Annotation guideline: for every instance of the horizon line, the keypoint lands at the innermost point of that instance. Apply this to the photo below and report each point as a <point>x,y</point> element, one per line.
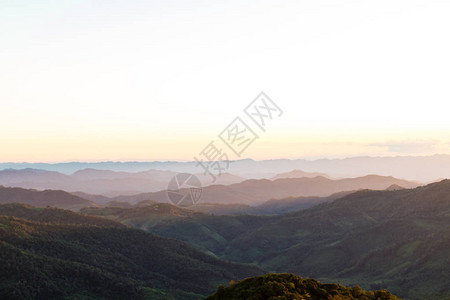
<point>231,160</point>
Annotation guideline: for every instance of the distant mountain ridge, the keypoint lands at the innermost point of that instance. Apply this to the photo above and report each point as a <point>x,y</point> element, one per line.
<point>55,198</point>
<point>269,207</point>
<point>407,167</point>
<point>103,182</point>
<point>298,174</point>
<point>257,191</point>
<point>88,180</point>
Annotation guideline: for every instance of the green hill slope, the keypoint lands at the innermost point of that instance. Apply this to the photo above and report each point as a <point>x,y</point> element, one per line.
<point>398,240</point>
<point>55,260</point>
<point>209,233</point>
<point>53,215</point>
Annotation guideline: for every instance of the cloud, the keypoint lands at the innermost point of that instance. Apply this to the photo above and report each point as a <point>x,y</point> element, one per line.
<point>408,146</point>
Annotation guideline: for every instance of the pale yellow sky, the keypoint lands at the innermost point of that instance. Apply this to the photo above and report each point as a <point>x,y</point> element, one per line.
<point>130,80</point>
<point>314,144</point>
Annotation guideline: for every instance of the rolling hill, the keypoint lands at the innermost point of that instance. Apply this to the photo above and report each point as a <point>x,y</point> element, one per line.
<point>103,182</point>
<point>92,181</point>
<point>254,192</point>
<point>208,233</point>
<point>270,207</point>
<point>53,215</point>
<point>398,240</point>
<point>55,198</point>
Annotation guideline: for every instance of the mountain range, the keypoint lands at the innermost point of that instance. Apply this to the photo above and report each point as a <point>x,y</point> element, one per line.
<point>298,174</point>
<point>257,191</point>
<point>392,239</point>
<point>407,167</point>
<point>55,198</point>
<point>49,253</point>
<point>103,182</point>
<point>378,232</point>
<point>270,207</point>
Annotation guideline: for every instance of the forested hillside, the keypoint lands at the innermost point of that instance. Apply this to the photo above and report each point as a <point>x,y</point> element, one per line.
<point>98,261</point>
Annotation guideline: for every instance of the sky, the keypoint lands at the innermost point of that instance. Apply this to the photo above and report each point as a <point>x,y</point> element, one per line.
<point>160,80</point>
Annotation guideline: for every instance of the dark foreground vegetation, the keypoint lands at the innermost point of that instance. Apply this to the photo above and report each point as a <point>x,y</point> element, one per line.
<point>291,287</point>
